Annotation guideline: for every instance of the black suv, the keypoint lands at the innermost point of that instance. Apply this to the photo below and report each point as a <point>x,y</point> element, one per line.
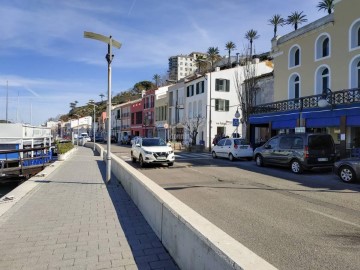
<point>297,151</point>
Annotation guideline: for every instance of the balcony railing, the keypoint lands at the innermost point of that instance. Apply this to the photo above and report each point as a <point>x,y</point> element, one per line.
<point>341,97</point>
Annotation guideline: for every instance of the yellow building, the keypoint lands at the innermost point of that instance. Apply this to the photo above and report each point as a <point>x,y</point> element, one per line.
<point>317,79</point>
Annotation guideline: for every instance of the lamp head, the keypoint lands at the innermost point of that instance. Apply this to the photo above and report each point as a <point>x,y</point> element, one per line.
<point>237,114</point>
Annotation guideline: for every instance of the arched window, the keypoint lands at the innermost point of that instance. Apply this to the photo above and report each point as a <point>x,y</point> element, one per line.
<point>294,86</point>
<point>322,46</point>
<point>294,56</point>
<point>322,79</point>
<point>355,72</point>
<point>354,35</point>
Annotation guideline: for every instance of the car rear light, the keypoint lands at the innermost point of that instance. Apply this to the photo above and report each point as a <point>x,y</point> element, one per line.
<point>306,151</point>
<point>235,146</point>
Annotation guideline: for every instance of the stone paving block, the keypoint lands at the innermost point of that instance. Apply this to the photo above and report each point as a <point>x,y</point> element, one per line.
<point>73,220</point>
<point>167,264</point>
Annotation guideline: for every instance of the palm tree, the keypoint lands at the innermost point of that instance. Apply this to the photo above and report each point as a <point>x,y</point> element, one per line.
<point>200,62</point>
<point>102,96</point>
<point>276,21</point>
<point>230,46</point>
<point>296,18</point>
<point>326,5</point>
<point>156,78</point>
<point>213,55</point>
<point>251,35</point>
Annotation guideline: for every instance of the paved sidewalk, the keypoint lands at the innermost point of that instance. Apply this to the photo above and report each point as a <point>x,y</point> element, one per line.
<point>72,220</point>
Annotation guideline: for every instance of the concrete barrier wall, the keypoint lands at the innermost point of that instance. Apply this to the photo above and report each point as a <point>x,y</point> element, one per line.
<point>192,241</point>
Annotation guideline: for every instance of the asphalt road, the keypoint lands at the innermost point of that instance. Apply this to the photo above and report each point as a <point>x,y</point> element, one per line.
<point>308,221</point>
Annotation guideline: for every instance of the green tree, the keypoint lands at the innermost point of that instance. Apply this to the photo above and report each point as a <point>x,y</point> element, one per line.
<point>156,79</point>
<point>251,35</point>
<point>143,85</point>
<point>213,55</point>
<point>296,18</point>
<point>276,21</point>
<point>230,46</point>
<point>200,63</point>
<point>327,5</point>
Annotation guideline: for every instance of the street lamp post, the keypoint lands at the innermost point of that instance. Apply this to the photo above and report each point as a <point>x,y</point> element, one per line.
<point>92,102</point>
<point>77,140</point>
<point>109,57</point>
<point>237,116</point>
<point>209,102</point>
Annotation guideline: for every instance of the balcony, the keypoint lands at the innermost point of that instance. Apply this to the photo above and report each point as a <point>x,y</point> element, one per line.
<point>341,97</point>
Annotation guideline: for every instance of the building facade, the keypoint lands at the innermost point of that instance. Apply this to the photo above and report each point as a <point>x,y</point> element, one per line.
<point>181,66</point>
<point>317,78</point>
<point>161,113</point>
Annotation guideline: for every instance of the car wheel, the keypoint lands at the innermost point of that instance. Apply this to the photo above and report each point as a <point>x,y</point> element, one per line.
<point>259,160</point>
<point>296,167</point>
<point>171,164</point>
<point>231,157</point>
<point>347,174</point>
<point>133,159</point>
<point>141,161</point>
<point>214,154</point>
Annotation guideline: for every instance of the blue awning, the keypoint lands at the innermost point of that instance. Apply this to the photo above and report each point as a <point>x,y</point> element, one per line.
<point>291,123</point>
<point>353,120</point>
<point>323,122</point>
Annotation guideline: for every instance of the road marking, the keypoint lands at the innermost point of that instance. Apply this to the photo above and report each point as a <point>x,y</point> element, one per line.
<point>335,218</point>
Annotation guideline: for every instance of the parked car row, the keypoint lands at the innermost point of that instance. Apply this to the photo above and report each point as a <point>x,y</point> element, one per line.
<point>299,152</point>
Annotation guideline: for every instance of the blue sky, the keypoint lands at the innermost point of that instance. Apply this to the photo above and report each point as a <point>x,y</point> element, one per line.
<point>47,63</point>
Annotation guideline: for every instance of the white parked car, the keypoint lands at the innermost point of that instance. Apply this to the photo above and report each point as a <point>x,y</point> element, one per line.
<point>232,148</point>
<point>152,150</point>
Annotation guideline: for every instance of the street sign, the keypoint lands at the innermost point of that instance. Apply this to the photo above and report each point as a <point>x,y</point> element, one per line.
<point>235,122</point>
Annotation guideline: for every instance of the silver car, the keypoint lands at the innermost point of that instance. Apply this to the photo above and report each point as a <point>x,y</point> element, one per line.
<point>348,169</point>
<point>232,148</point>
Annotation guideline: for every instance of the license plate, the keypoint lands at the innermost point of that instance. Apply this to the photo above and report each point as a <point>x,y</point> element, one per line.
<point>243,147</point>
<point>323,159</point>
<point>161,158</point>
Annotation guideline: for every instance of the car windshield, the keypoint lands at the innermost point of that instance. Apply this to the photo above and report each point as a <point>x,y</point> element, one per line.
<point>153,142</point>
<point>240,142</point>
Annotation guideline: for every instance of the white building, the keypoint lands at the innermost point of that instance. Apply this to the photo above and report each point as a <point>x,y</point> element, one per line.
<point>161,113</point>
<point>224,101</point>
<point>181,66</point>
<point>176,107</point>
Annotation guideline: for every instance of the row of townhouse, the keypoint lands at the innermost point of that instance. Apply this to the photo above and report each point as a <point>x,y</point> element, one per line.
<point>317,80</point>
<point>171,112</point>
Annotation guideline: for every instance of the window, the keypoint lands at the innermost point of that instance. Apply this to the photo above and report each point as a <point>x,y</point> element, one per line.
<point>194,110</point>
<point>228,143</point>
<point>355,72</point>
<point>322,78</point>
<point>190,110</point>
<point>294,86</point>
<point>294,56</point>
<point>200,108</point>
<point>222,85</point>
<point>190,91</point>
<point>354,35</point>
<point>221,105</point>
<point>322,46</point>
<point>273,143</point>
<point>200,87</point>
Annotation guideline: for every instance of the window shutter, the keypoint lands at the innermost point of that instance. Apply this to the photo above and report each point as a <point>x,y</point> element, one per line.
<point>197,88</point>
<point>217,85</point>
<point>226,105</point>
<point>202,86</point>
<point>187,92</point>
<point>227,85</point>
<point>216,105</point>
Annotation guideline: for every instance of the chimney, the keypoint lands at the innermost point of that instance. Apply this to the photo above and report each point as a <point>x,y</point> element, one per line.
<point>143,93</point>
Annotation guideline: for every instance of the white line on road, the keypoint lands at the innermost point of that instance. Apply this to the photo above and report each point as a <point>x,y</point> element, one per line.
<point>335,218</point>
